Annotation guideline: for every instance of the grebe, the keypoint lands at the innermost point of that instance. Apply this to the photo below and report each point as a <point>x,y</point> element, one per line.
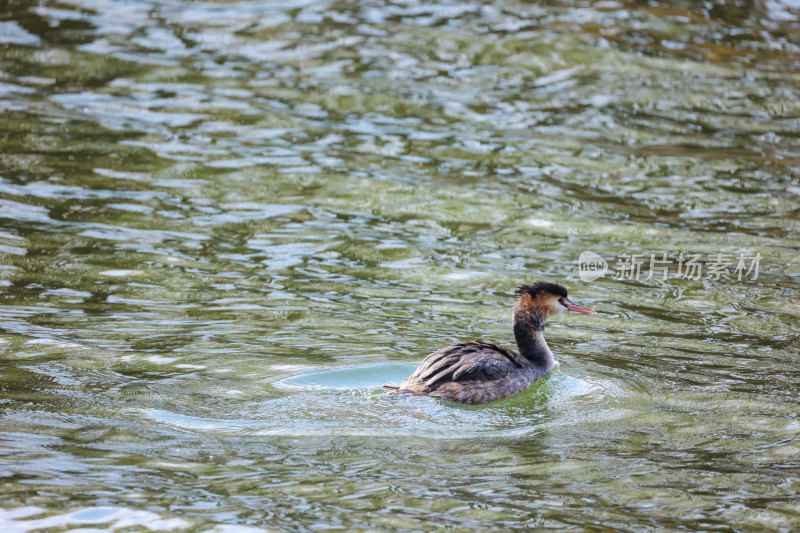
<point>479,372</point>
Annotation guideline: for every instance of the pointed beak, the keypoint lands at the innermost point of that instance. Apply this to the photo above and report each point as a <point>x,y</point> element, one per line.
<point>579,308</point>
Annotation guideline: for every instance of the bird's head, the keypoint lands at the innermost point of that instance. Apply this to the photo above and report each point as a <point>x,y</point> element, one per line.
<point>536,302</point>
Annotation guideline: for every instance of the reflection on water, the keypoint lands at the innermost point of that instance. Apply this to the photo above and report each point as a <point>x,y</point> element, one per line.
<point>35,518</point>
<point>313,407</point>
<point>224,226</point>
<point>360,377</point>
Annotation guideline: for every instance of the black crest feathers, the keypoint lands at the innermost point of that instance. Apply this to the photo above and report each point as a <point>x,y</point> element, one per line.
<point>541,287</point>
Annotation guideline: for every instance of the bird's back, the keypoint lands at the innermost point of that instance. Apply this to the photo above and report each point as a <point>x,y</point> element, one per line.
<point>472,372</point>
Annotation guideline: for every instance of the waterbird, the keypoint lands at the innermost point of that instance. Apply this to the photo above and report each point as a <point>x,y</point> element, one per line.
<point>479,372</point>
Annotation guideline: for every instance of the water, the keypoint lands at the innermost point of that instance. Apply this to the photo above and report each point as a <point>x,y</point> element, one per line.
<point>224,226</point>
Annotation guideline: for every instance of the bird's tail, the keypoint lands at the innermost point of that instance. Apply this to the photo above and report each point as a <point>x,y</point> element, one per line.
<point>390,387</point>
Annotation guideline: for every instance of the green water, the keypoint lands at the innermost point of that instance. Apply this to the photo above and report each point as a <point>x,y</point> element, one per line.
<point>224,226</point>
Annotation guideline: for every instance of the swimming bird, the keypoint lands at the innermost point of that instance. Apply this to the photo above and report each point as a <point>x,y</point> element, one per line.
<point>480,372</point>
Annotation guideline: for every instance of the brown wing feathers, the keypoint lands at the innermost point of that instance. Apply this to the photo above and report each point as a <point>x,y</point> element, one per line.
<point>464,360</point>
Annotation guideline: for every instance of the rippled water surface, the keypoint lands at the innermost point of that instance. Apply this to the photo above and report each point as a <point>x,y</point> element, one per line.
<point>224,226</point>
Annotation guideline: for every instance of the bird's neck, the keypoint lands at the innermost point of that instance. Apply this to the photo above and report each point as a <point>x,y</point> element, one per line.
<point>529,334</point>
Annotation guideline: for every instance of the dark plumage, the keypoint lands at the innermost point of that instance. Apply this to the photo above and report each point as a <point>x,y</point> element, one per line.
<point>535,289</point>
<point>479,372</point>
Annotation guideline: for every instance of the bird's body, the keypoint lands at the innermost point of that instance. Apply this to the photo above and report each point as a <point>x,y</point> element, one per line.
<point>480,372</point>
<point>473,372</point>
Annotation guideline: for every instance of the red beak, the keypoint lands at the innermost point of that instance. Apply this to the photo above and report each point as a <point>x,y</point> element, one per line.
<point>579,308</point>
